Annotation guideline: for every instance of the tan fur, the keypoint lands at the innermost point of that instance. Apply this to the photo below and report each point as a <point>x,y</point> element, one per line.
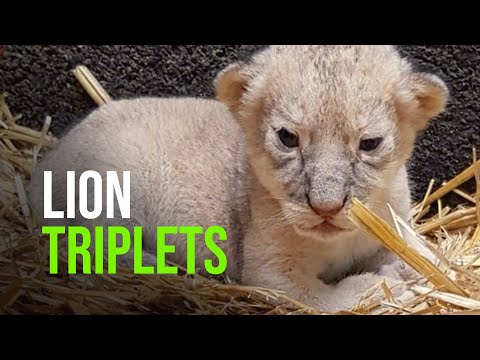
<point>193,163</point>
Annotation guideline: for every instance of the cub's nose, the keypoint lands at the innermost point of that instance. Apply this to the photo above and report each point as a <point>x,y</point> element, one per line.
<point>329,208</point>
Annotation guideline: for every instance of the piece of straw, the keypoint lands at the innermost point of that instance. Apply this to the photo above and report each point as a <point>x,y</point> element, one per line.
<point>91,85</point>
<point>436,224</point>
<point>453,299</point>
<point>477,184</point>
<point>377,227</point>
<point>460,179</point>
<point>424,204</point>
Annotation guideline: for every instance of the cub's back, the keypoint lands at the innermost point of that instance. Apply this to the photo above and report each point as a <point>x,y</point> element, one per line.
<point>185,158</point>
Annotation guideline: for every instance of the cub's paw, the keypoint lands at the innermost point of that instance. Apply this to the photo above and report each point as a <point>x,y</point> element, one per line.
<point>367,288</point>
<point>397,270</point>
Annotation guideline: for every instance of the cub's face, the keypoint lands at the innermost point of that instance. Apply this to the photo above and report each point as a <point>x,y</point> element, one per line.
<point>324,124</point>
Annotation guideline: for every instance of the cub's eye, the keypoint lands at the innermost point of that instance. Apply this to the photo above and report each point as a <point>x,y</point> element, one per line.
<point>370,144</point>
<point>287,138</point>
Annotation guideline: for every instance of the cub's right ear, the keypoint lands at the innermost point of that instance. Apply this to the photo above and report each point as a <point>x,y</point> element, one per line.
<point>231,84</point>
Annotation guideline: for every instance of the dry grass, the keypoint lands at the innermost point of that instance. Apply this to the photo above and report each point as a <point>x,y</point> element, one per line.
<point>443,248</point>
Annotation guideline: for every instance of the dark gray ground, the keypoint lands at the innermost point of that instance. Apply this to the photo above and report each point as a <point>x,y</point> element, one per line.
<point>40,83</point>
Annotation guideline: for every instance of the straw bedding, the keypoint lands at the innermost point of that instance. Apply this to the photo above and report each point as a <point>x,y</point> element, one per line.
<point>443,247</point>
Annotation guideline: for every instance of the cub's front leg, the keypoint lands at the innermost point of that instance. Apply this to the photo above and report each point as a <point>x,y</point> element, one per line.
<point>266,264</point>
<point>345,295</point>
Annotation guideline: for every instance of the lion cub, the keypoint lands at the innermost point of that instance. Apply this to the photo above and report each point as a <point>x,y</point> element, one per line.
<point>298,132</point>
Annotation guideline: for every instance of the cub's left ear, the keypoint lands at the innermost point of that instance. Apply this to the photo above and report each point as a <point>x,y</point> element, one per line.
<point>428,98</point>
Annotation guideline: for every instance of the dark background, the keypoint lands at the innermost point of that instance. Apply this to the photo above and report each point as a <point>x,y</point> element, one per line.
<point>40,83</point>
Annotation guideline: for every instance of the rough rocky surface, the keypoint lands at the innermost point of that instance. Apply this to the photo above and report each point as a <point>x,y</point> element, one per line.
<point>40,83</point>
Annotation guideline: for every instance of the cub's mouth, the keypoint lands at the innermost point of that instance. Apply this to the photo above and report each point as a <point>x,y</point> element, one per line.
<point>311,224</point>
<point>327,228</point>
